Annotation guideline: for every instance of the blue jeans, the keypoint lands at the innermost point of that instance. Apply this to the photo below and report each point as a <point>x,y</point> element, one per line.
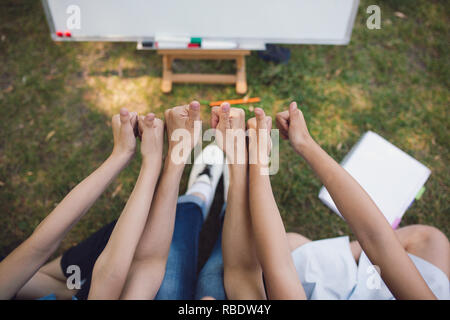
<point>181,280</point>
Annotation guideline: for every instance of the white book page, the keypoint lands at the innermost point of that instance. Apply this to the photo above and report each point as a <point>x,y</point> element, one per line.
<point>391,177</point>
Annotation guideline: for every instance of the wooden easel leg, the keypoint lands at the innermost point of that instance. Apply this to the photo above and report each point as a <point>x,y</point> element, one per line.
<point>166,85</point>
<point>241,79</point>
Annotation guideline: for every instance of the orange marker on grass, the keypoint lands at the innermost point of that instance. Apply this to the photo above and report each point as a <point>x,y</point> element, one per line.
<point>235,101</point>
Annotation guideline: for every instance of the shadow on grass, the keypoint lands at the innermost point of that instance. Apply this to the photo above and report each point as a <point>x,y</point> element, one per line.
<point>54,137</point>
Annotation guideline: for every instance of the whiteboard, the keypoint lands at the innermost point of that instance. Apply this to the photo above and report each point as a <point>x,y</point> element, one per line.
<point>243,21</point>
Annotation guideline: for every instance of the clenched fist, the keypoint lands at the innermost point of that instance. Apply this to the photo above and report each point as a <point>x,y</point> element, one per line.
<point>230,132</point>
<point>123,125</point>
<point>259,138</point>
<point>183,129</point>
<point>292,126</point>
<point>151,130</point>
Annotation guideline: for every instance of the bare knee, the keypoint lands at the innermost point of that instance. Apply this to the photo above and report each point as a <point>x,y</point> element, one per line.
<point>296,240</point>
<point>428,243</point>
<point>421,235</point>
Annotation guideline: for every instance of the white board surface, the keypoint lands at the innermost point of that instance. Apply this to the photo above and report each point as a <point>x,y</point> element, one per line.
<point>391,177</point>
<point>268,21</point>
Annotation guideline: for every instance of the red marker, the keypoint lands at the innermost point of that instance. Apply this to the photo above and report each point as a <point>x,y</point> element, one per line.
<point>68,34</point>
<point>193,45</point>
<point>59,33</point>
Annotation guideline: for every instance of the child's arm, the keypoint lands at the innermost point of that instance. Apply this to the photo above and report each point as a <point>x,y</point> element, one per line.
<point>370,227</point>
<point>149,264</point>
<point>20,265</point>
<point>111,268</point>
<point>272,247</point>
<point>242,271</point>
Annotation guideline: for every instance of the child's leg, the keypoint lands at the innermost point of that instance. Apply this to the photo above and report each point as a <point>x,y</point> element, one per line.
<point>425,242</point>
<point>181,269</point>
<point>53,269</point>
<point>296,240</point>
<point>428,243</point>
<point>192,209</point>
<point>51,278</point>
<point>210,278</point>
<point>48,280</point>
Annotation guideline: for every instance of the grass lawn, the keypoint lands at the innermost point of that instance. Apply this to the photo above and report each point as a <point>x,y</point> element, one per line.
<point>56,103</point>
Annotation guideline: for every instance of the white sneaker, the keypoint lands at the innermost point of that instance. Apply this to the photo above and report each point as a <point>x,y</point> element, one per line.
<point>207,168</point>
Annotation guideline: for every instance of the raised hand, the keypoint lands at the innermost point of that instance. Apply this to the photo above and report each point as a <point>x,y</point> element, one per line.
<point>271,244</point>
<point>230,132</point>
<point>292,126</point>
<point>152,131</point>
<point>112,266</point>
<point>259,138</point>
<point>123,125</point>
<point>18,269</point>
<point>183,126</point>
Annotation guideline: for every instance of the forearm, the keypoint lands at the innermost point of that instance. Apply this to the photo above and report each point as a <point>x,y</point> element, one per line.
<point>111,268</point>
<point>272,247</point>
<point>53,228</point>
<point>148,266</point>
<point>376,236</point>
<point>158,231</point>
<point>350,198</point>
<point>237,231</point>
<point>242,271</point>
<point>34,251</point>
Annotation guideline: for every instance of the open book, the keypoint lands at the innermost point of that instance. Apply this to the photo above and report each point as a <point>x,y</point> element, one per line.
<point>390,176</point>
